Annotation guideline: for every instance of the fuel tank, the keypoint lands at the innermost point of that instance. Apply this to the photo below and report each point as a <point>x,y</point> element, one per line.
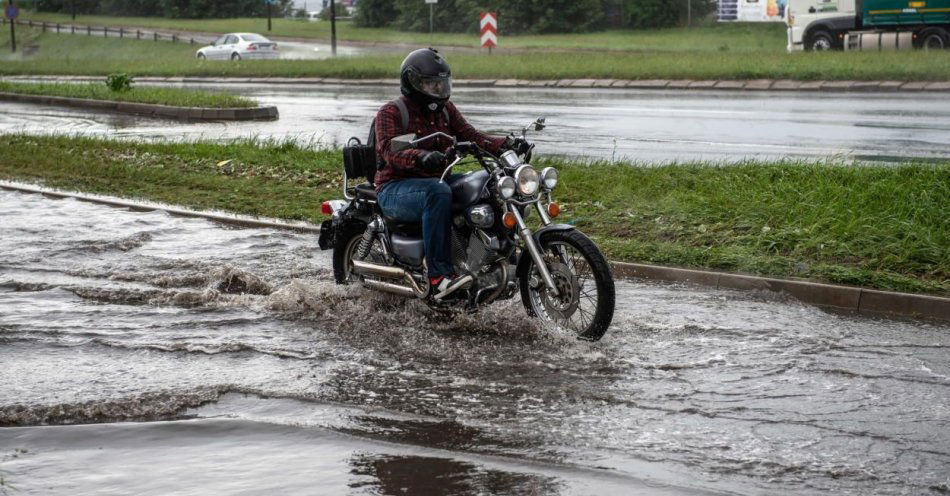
<point>467,188</point>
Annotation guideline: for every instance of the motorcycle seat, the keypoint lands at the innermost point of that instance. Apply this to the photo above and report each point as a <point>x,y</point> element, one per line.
<point>366,191</point>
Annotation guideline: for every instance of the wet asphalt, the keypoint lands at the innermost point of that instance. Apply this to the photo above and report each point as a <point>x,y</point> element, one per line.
<point>130,364</point>
<point>644,126</point>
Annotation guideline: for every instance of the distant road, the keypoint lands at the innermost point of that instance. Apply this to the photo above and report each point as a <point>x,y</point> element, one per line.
<point>649,126</point>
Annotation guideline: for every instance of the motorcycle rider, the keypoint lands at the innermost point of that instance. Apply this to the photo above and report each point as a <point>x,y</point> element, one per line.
<point>408,187</point>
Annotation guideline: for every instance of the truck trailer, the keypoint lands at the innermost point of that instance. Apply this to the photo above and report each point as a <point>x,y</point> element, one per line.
<point>815,25</point>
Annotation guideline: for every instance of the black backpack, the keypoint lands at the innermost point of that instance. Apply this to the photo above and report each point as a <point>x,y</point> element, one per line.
<point>360,160</point>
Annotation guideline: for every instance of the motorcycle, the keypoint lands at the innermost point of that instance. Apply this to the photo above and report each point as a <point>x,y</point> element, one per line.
<point>563,278</point>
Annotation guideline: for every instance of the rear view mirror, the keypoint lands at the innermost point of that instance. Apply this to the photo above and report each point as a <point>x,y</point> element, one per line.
<point>403,142</point>
<point>539,124</point>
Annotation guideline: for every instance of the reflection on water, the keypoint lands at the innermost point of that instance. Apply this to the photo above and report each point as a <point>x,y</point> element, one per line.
<point>399,475</point>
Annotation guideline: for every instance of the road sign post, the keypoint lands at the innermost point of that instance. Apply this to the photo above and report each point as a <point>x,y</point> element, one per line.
<point>489,30</point>
<point>12,12</point>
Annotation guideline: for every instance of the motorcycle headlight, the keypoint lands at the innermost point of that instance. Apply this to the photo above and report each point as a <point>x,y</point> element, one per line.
<point>527,179</point>
<point>506,187</point>
<point>549,177</point>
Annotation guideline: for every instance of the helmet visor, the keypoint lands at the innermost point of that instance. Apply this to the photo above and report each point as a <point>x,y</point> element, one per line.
<point>434,86</point>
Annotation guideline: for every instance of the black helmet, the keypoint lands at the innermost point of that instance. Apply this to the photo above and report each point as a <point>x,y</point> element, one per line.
<point>426,79</point>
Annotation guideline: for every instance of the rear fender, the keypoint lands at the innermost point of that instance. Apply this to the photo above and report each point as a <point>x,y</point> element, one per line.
<point>343,212</point>
<point>525,259</point>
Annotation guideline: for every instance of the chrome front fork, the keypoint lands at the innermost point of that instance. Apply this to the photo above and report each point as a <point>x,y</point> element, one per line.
<point>534,251</point>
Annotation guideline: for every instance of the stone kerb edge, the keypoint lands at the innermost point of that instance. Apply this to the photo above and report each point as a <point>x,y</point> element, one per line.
<point>149,109</point>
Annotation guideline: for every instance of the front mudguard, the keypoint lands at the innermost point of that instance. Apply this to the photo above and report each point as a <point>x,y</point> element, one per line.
<point>524,261</point>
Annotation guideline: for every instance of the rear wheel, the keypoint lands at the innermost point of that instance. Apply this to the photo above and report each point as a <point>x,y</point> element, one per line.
<point>934,40</point>
<point>584,303</point>
<point>347,243</point>
<point>820,41</point>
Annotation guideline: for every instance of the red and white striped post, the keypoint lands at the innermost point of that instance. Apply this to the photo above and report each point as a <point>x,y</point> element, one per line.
<point>489,30</point>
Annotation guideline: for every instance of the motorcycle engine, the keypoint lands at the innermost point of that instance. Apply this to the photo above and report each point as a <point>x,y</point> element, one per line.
<point>469,252</point>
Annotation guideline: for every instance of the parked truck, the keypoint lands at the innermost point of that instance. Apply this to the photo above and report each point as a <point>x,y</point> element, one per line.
<point>867,24</point>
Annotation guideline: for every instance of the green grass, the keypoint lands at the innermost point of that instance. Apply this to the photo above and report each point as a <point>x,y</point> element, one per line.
<point>741,37</point>
<point>883,227</point>
<point>81,55</point>
<point>163,96</point>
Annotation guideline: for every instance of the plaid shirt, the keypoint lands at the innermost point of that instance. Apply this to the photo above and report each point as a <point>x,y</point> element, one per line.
<point>422,122</point>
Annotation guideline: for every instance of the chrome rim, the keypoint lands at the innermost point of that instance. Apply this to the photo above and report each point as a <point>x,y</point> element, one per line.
<point>574,307</point>
<point>821,44</point>
<point>934,42</point>
<point>375,256</point>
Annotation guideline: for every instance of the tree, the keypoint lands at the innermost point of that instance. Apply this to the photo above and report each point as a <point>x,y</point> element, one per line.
<point>190,9</point>
<point>374,13</point>
<point>514,16</point>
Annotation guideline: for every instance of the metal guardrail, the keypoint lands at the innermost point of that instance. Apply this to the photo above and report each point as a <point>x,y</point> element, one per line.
<point>105,31</point>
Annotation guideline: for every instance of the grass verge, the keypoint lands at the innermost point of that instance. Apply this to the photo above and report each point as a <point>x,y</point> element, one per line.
<point>80,55</point>
<point>882,227</point>
<point>163,96</point>
<point>741,37</point>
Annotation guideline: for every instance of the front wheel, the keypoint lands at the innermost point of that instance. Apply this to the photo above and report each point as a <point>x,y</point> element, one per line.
<point>235,56</point>
<point>820,41</point>
<point>584,303</point>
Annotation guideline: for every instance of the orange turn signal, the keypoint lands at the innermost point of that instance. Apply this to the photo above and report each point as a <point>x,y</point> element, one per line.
<point>509,220</point>
<point>554,209</point>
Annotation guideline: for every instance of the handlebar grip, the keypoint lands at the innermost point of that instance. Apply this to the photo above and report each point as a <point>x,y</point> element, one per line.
<point>465,147</point>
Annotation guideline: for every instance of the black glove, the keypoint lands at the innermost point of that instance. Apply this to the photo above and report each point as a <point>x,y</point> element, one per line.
<point>517,145</point>
<point>432,161</point>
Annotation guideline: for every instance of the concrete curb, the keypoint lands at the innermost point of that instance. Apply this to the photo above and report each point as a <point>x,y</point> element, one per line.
<point>151,110</point>
<point>830,296</point>
<point>139,206</point>
<point>612,84</point>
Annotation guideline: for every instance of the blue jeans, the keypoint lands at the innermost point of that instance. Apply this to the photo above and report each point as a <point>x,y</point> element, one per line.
<point>428,201</point>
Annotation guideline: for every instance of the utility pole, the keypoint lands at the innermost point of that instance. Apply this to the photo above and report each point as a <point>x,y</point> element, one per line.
<point>72,8</point>
<point>270,12</point>
<point>431,15</point>
<point>333,27</point>
<point>689,13</point>
<point>11,9</point>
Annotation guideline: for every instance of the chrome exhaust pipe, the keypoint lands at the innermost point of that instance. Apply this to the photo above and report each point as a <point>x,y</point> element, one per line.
<point>390,288</point>
<point>371,269</point>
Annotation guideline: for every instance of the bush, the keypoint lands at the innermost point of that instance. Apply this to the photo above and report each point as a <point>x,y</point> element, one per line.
<point>119,82</point>
<point>651,14</point>
<point>514,16</point>
<point>190,9</point>
<point>374,13</point>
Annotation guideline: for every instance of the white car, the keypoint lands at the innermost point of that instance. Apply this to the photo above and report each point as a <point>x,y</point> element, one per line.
<point>239,46</point>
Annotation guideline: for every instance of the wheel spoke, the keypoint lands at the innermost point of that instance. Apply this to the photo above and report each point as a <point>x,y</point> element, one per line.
<point>575,274</point>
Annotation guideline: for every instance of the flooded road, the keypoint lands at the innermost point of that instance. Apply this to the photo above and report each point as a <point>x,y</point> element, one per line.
<point>147,354</point>
<point>644,126</point>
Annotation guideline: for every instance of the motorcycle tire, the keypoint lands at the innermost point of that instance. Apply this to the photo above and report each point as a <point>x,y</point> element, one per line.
<point>347,240</point>
<point>592,318</point>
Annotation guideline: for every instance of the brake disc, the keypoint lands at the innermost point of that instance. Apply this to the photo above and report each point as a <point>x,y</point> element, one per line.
<point>563,305</point>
